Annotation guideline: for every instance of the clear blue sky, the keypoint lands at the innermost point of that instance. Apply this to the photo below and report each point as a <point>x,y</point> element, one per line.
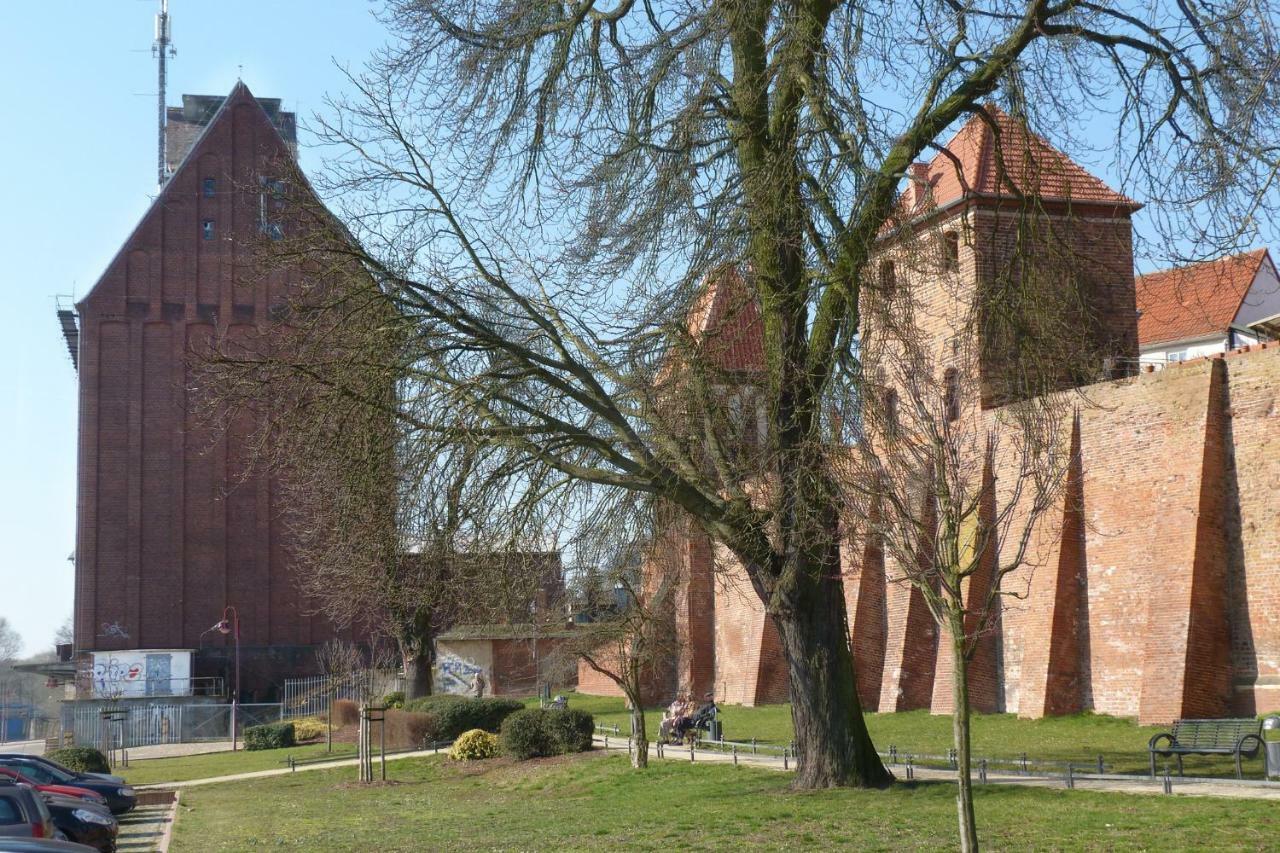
<point>78,154</point>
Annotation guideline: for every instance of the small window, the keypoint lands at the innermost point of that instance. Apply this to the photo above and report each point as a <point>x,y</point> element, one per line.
<point>209,187</point>
<point>206,229</point>
<point>888,278</point>
<point>951,394</point>
<point>1177,355</point>
<point>891,413</point>
<point>950,251</point>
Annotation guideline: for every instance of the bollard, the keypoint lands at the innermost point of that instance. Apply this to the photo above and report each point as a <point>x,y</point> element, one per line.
<point>911,769</point>
<point>1024,764</point>
<point>893,754</point>
<point>953,758</point>
<point>606,741</point>
<point>690,752</point>
<point>735,755</point>
<point>1102,768</point>
<point>293,768</point>
<point>1168,782</point>
<point>982,771</point>
<point>1071,779</point>
<point>784,759</point>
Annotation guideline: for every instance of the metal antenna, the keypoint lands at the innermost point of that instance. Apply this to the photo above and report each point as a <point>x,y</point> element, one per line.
<point>163,50</point>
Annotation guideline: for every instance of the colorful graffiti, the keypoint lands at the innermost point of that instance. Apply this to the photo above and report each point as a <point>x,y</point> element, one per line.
<point>457,675</point>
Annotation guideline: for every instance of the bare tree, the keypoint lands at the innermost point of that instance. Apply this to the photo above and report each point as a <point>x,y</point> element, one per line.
<point>542,188</point>
<point>964,449</point>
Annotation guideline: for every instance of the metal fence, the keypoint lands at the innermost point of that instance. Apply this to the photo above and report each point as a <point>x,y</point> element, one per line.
<point>310,697</point>
<point>115,726</point>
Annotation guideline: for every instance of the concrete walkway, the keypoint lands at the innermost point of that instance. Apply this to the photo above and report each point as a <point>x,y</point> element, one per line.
<point>1191,786</point>
<point>283,771</point>
<point>148,828</point>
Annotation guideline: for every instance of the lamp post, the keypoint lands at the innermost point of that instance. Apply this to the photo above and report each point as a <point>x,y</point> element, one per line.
<point>232,626</point>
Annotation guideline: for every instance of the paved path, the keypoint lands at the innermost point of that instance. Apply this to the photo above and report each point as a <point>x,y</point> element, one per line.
<point>146,829</point>
<point>263,774</point>
<point>26,747</point>
<point>1247,789</point>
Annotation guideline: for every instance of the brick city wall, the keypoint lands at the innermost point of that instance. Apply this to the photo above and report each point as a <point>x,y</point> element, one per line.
<point>1151,589</point>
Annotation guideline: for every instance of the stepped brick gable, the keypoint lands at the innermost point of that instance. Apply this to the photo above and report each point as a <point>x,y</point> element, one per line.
<point>169,527</point>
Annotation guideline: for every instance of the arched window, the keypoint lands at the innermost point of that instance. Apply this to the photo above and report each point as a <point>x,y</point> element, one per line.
<point>891,413</point>
<point>951,394</point>
<point>888,278</point>
<point>950,251</point>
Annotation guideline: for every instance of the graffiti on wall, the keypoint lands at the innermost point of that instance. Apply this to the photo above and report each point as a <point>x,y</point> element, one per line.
<point>456,674</point>
<point>114,629</point>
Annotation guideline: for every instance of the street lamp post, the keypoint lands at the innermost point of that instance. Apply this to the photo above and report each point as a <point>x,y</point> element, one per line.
<point>232,626</point>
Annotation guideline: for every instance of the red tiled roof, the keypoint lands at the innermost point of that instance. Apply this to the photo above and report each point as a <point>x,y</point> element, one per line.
<point>1194,301</point>
<point>726,319</point>
<point>1020,161</point>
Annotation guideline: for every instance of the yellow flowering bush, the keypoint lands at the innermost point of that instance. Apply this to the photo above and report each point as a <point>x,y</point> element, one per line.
<point>474,745</point>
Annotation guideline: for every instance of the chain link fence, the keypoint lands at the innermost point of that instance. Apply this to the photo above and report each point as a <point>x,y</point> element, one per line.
<point>107,727</point>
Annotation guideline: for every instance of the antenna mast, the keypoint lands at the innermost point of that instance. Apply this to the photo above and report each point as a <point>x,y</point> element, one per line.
<point>163,50</point>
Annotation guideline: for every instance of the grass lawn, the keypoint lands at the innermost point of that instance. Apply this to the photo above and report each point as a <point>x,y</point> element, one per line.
<point>1080,738</point>
<point>596,802</point>
<point>182,768</point>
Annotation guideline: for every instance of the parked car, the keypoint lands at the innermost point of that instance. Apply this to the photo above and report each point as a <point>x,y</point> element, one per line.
<point>65,790</point>
<point>49,762</point>
<point>83,823</point>
<point>23,813</point>
<point>41,845</point>
<point>120,797</point>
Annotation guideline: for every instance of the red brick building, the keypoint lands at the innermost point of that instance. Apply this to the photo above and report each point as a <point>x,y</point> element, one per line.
<point>1158,594</point>
<point>169,528</point>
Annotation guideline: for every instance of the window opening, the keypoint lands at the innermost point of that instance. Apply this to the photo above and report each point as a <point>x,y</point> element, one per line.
<point>206,229</point>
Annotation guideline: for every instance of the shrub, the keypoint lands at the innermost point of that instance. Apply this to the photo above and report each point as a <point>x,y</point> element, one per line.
<point>309,728</point>
<point>394,699</point>
<point>536,732</point>
<point>410,729</point>
<point>82,759</point>
<point>434,703</point>
<point>345,712</point>
<point>488,714</point>
<point>570,730</point>
<point>270,736</point>
<point>474,745</point>
<point>525,736</point>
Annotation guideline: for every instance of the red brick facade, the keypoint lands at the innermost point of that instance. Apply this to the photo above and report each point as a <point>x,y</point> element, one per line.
<point>168,528</point>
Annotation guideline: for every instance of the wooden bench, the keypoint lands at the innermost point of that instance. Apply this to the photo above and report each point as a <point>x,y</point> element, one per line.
<point>1208,737</point>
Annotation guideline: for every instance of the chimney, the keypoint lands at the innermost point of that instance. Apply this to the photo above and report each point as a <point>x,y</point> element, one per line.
<point>920,188</point>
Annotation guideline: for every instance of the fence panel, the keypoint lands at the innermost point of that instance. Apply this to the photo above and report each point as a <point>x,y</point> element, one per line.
<point>147,725</point>
<point>310,697</point>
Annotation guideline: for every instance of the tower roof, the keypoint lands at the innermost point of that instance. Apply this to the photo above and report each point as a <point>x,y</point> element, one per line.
<point>999,157</point>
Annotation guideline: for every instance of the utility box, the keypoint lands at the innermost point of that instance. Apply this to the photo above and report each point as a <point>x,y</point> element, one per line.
<point>1271,745</point>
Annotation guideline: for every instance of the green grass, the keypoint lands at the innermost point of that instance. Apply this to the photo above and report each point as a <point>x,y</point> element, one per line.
<point>1077,738</point>
<point>182,768</point>
<point>596,802</point>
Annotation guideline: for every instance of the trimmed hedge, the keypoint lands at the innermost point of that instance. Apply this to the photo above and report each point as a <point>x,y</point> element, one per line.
<point>82,759</point>
<point>269,736</point>
<point>537,732</point>
<point>394,699</point>
<point>457,714</point>
<point>309,728</point>
<point>410,729</point>
<point>345,713</point>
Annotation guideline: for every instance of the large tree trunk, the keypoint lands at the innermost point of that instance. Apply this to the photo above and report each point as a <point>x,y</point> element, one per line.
<point>416,654</point>
<point>960,731</point>
<point>833,746</point>
<point>417,675</point>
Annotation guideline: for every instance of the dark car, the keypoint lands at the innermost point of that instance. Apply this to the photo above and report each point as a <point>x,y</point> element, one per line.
<point>41,845</point>
<point>23,813</point>
<point>49,762</point>
<point>120,797</point>
<point>83,823</point>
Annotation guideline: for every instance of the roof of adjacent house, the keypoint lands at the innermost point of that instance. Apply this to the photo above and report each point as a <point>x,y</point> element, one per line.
<point>998,156</point>
<point>1194,301</point>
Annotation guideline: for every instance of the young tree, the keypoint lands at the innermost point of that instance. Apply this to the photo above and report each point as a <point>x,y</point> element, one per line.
<point>543,188</point>
<point>964,450</point>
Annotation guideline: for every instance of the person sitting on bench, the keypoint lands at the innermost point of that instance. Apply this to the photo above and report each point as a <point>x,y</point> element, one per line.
<point>698,718</point>
<point>675,712</point>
